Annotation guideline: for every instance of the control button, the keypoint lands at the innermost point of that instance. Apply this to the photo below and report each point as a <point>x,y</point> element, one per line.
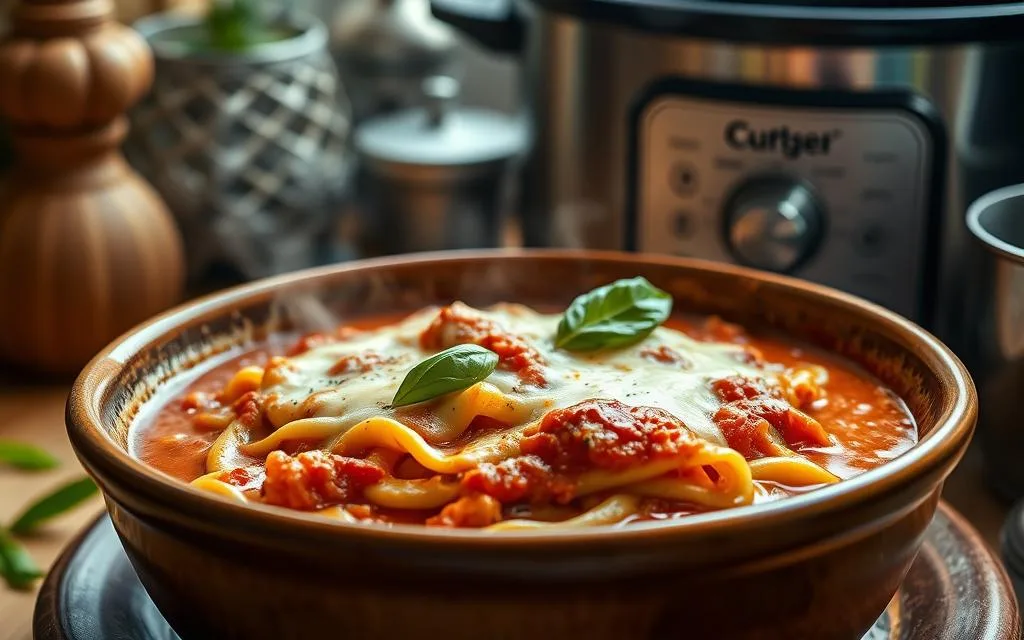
<point>870,240</point>
<point>773,223</point>
<point>683,179</point>
<point>683,225</point>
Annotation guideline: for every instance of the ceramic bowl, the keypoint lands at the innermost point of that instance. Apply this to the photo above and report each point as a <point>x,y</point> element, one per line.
<point>820,565</point>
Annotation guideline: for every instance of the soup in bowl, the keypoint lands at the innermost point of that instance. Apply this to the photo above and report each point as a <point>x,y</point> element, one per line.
<point>515,444</point>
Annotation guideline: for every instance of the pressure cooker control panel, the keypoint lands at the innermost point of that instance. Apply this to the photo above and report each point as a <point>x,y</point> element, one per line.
<point>835,194</point>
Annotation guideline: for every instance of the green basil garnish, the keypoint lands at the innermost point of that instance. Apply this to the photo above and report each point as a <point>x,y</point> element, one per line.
<point>615,315</point>
<point>453,369</point>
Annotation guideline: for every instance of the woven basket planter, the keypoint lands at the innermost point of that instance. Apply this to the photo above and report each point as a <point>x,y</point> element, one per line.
<point>247,148</point>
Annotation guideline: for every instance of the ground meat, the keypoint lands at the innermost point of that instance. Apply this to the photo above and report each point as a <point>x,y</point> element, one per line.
<point>518,479</point>
<point>460,324</point>
<point>315,479</point>
<point>198,401</point>
<point>666,355</point>
<point>605,434</point>
<point>474,510</point>
<point>310,341</point>
<point>721,331</point>
<point>249,409</point>
<point>360,363</point>
<point>757,422</point>
<point>242,478</point>
<point>753,437</point>
<point>236,477</point>
<point>736,388</point>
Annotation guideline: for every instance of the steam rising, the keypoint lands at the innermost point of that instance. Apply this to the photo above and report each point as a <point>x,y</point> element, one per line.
<point>405,289</point>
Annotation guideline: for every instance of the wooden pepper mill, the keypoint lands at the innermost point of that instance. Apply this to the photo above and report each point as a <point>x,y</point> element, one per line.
<point>87,248</point>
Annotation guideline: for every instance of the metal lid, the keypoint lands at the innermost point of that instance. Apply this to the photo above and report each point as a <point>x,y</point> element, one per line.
<point>441,133</point>
<point>827,22</point>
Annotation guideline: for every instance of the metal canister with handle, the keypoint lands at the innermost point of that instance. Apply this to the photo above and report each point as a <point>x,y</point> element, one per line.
<point>436,177</point>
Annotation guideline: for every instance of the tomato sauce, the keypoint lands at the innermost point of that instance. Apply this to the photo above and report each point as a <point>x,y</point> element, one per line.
<point>856,425</point>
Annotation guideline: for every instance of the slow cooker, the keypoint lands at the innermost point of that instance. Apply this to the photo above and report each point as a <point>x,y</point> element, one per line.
<point>835,140</point>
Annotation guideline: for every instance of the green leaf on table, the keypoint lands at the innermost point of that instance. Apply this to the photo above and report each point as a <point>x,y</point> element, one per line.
<point>25,456</point>
<point>63,499</point>
<point>17,567</point>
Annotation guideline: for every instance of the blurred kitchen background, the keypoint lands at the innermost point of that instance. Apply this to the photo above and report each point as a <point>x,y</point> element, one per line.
<point>271,136</point>
<point>172,147</point>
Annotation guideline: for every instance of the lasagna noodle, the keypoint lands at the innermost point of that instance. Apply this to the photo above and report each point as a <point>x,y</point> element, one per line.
<point>480,400</point>
<point>391,434</point>
<point>211,484</point>
<point>611,511</point>
<point>429,493</point>
<point>708,474</point>
<point>652,479</point>
<point>669,478</point>
<point>224,451</point>
<point>794,471</point>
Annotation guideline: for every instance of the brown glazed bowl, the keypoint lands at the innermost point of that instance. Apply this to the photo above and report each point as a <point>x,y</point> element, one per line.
<point>822,565</point>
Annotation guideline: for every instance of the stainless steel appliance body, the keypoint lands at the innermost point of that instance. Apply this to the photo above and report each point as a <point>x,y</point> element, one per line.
<point>836,143</point>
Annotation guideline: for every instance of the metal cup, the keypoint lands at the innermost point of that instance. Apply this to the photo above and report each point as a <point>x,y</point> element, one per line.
<point>997,220</point>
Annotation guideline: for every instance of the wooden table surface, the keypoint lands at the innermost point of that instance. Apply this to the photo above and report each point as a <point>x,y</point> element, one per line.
<point>35,413</point>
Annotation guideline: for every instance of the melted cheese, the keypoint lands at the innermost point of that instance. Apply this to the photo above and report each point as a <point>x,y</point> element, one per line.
<point>302,387</point>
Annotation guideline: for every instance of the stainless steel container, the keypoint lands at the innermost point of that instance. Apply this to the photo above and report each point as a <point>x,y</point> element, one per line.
<point>656,122</point>
<point>997,295</point>
<point>437,177</point>
<point>385,49</point>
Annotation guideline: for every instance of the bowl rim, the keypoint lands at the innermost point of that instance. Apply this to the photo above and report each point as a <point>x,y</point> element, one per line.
<point>947,439</point>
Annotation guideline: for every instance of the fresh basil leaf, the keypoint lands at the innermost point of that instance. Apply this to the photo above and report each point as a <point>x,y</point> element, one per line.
<point>25,456</point>
<point>17,567</point>
<point>453,369</point>
<point>615,315</point>
<point>54,504</point>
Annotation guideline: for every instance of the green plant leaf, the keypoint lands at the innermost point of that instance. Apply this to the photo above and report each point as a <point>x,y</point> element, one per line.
<point>236,25</point>
<point>26,456</point>
<point>615,315</point>
<point>59,501</point>
<point>453,369</point>
<point>17,567</point>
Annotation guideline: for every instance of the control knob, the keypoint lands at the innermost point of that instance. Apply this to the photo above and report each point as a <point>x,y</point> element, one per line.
<point>773,223</point>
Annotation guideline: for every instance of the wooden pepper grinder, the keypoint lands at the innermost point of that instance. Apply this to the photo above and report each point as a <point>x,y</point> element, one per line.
<point>87,248</point>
